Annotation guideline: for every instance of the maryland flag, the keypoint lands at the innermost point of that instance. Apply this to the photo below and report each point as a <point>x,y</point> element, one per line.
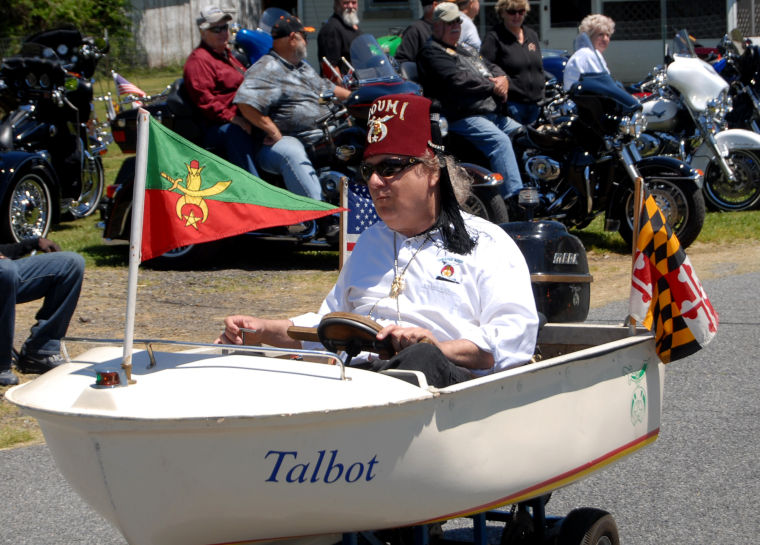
<point>665,290</point>
<point>193,196</point>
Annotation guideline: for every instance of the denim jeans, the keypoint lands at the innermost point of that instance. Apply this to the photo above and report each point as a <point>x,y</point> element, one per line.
<point>237,146</point>
<point>56,277</point>
<point>523,112</point>
<point>287,157</point>
<point>490,134</point>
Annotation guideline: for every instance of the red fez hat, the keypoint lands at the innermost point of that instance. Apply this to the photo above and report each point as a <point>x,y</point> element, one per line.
<point>399,125</point>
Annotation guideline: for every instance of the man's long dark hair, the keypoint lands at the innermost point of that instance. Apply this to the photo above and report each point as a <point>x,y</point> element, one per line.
<point>454,233</point>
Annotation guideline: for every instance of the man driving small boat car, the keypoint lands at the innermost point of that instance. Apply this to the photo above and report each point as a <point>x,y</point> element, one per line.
<point>451,291</point>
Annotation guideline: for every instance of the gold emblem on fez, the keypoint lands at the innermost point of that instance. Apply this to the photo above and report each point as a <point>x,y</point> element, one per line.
<point>378,130</point>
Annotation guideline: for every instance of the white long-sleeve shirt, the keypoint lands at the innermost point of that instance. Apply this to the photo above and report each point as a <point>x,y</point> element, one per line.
<point>484,297</point>
<point>584,61</point>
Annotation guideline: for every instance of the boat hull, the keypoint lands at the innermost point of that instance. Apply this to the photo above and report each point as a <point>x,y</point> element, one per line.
<point>393,455</point>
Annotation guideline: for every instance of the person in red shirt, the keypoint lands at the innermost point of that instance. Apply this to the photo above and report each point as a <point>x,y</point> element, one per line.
<point>212,76</point>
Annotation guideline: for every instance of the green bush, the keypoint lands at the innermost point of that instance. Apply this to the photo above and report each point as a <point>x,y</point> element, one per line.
<point>22,18</point>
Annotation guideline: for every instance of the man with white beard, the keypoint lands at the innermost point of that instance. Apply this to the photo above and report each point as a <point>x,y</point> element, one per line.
<point>280,96</point>
<point>337,33</point>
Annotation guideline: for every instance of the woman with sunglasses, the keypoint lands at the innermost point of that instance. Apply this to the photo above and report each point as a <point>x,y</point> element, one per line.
<point>452,291</point>
<point>515,49</point>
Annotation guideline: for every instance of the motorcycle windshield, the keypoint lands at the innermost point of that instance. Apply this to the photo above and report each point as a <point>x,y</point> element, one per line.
<point>37,50</point>
<point>683,45</point>
<point>602,87</point>
<point>370,62</point>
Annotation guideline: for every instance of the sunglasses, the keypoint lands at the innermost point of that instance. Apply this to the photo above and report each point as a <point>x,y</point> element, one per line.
<point>516,11</point>
<point>219,29</point>
<point>387,168</point>
<point>455,22</point>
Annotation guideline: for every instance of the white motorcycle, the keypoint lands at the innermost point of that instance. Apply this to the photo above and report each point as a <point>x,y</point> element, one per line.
<point>685,104</point>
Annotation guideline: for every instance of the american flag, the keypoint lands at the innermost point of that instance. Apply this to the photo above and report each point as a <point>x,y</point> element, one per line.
<point>124,87</point>
<point>360,215</point>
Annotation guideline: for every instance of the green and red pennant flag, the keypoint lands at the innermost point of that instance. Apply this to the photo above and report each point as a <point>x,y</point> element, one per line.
<point>665,291</point>
<point>193,196</point>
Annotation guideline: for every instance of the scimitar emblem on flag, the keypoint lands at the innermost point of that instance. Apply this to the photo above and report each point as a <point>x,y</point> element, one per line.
<point>193,194</point>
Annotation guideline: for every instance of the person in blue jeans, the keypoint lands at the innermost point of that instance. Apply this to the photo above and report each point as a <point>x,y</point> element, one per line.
<point>280,96</point>
<point>212,76</point>
<point>52,275</point>
<point>472,92</point>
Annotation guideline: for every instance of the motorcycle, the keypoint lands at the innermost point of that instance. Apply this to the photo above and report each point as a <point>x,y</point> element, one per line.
<point>739,65</point>
<point>335,147</point>
<point>685,104</point>
<point>584,164</point>
<point>50,147</point>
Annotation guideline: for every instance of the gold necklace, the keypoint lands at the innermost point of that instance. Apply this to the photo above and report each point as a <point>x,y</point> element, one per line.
<point>397,286</point>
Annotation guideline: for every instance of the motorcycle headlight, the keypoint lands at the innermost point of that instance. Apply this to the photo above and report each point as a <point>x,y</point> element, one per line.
<point>718,107</point>
<point>728,103</point>
<point>633,125</point>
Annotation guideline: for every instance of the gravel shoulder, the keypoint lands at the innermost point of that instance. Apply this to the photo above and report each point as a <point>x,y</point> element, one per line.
<point>191,305</point>
<point>277,283</point>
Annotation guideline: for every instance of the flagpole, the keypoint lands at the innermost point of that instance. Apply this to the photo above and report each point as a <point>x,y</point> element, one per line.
<point>135,238</point>
<point>638,202</point>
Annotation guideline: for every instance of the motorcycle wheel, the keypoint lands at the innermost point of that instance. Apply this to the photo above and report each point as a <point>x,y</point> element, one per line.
<point>681,202</point>
<point>27,210</point>
<point>93,183</point>
<point>744,194</point>
<point>487,203</point>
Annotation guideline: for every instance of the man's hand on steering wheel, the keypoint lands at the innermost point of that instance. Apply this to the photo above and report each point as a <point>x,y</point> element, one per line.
<point>402,337</point>
<point>233,333</point>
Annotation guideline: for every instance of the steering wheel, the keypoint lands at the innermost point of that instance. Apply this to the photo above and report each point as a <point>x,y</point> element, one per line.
<point>348,332</point>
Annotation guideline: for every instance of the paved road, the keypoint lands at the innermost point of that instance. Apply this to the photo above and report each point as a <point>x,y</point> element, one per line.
<point>699,483</point>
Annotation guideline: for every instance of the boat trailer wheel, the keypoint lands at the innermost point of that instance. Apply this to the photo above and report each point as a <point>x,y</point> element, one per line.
<point>588,526</point>
<point>352,334</point>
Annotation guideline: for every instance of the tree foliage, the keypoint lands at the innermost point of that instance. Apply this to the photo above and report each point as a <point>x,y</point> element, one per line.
<point>22,18</point>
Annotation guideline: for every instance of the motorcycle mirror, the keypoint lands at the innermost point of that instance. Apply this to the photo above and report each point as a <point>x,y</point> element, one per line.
<point>738,39</point>
<point>103,45</point>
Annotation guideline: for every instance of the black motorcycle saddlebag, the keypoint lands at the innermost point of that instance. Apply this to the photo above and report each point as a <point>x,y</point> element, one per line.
<point>558,268</point>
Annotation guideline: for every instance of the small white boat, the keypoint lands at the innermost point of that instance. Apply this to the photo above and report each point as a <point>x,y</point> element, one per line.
<point>210,448</point>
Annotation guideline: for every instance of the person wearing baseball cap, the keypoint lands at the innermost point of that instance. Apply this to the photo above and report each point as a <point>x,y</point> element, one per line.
<point>472,92</point>
<point>280,95</point>
<point>211,77</point>
<point>211,16</point>
<point>451,291</point>
<point>415,35</point>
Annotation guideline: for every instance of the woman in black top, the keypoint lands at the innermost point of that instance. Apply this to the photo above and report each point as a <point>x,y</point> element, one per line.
<point>515,48</point>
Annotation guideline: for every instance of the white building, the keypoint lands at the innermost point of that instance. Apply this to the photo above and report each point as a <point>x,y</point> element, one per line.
<point>166,29</point>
